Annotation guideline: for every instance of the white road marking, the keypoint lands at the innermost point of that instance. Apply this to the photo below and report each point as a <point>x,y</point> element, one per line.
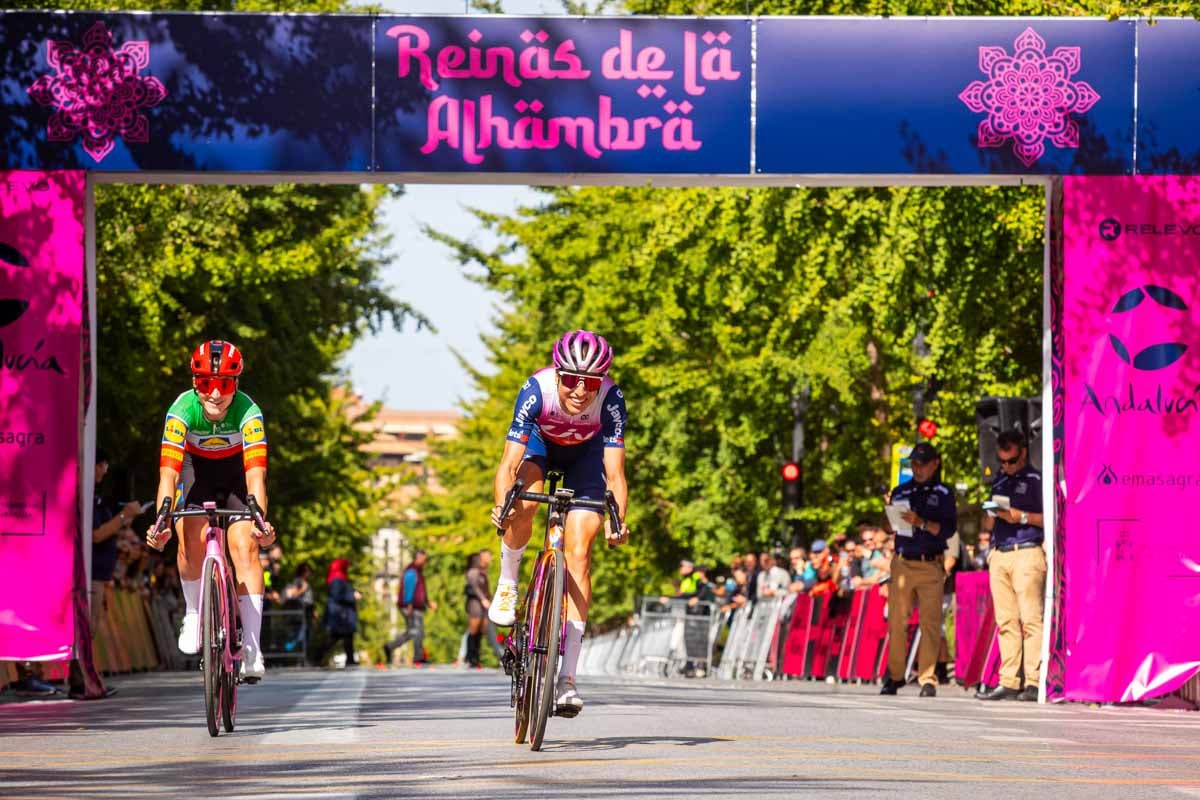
<point>1028,739</point>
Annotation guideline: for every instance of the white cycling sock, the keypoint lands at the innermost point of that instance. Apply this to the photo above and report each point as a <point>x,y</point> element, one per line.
<point>570,659</point>
<point>510,563</point>
<point>191,595</point>
<point>251,607</point>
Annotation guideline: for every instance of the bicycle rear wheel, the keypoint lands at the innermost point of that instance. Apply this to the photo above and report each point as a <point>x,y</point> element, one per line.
<point>211,656</point>
<point>545,633</point>
<point>229,678</point>
<point>520,680</point>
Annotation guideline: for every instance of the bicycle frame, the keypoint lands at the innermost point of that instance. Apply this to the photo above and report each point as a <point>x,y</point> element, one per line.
<point>523,644</point>
<point>231,618</point>
<point>221,677</point>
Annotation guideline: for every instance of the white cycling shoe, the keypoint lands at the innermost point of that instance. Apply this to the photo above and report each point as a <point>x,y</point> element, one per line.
<point>189,633</point>
<point>253,668</point>
<point>567,702</point>
<point>503,611</point>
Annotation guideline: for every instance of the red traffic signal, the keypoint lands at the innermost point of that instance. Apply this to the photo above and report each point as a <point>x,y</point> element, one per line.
<point>790,471</point>
<point>927,428</point>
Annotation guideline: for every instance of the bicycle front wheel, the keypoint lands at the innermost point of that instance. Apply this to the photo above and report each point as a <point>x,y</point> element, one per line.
<point>545,634</point>
<point>229,678</point>
<point>211,655</point>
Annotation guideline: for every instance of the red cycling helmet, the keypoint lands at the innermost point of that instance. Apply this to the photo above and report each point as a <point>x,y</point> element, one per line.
<point>217,358</point>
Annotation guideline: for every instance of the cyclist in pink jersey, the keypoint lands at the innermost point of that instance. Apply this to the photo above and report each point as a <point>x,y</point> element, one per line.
<point>568,417</point>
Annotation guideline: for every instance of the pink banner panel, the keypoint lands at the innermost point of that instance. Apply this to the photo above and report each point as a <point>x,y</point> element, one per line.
<point>1131,319</point>
<point>41,314</point>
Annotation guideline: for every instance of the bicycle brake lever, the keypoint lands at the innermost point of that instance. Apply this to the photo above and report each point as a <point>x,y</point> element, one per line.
<point>509,499</point>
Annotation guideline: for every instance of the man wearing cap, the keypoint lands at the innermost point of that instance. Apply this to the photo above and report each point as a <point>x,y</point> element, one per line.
<point>1017,569</point>
<point>917,571</point>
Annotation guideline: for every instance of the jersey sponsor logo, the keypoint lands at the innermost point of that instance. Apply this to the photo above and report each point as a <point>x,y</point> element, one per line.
<point>614,411</point>
<point>253,433</point>
<point>214,443</point>
<point>526,407</point>
<point>174,431</point>
<point>932,500</point>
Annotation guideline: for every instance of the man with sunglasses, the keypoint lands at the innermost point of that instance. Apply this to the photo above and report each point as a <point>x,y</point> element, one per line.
<point>568,417</point>
<point>215,445</point>
<point>1017,569</point>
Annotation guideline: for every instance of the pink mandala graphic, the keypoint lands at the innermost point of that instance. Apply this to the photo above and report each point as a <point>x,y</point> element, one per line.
<point>1029,96</point>
<point>97,92</point>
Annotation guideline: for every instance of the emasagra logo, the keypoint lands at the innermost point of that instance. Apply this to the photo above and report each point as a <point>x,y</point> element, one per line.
<point>1154,356</point>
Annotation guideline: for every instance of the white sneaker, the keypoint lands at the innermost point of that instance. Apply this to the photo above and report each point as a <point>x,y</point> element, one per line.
<point>567,701</point>
<point>189,633</point>
<point>503,611</point>
<point>253,668</point>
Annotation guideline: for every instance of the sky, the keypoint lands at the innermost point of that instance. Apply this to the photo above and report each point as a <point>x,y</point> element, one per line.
<point>416,370</point>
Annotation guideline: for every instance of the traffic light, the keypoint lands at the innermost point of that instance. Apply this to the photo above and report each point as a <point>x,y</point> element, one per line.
<point>790,472</point>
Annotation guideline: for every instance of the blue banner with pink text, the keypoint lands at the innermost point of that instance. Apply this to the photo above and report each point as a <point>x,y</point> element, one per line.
<point>562,95</point>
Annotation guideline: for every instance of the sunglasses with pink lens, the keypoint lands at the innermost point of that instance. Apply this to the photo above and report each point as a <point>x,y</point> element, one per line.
<point>591,383</point>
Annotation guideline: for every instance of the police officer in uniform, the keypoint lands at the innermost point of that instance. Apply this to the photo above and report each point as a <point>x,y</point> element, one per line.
<point>1017,570</point>
<point>918,576</point>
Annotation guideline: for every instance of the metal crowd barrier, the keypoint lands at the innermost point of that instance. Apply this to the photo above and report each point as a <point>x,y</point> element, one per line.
<point>284,635</point>
<point>665,639</point>
<point>752,647</point>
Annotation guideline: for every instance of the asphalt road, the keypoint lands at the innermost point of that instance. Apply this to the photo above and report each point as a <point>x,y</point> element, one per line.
<point>435,733</point>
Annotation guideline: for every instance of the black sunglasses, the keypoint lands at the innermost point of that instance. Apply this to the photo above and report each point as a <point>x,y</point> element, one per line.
<point>1009,462</point>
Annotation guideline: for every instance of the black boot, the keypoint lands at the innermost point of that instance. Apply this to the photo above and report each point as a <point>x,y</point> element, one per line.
<point>998,693</point>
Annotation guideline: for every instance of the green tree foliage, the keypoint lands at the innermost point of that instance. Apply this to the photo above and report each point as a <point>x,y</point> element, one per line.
<point>722,304</point>
<point>290,274</point>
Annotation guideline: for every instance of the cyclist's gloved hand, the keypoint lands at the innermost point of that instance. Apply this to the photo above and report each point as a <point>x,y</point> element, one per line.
<point>616,539</point>
<point>265,538</point>
<point>496,521</point>
<point>158,534</point>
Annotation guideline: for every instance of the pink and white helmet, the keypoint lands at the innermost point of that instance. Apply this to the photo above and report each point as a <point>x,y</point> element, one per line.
<point>583,351</point>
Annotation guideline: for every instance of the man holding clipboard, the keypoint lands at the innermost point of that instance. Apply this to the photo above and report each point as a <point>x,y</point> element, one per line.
<point>1016,568</point>
<point>922,513</point>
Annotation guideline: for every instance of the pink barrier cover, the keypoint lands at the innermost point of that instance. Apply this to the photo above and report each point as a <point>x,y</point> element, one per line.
<point>1131,314</point>
<point>974,625</point>
<point>41,314</point>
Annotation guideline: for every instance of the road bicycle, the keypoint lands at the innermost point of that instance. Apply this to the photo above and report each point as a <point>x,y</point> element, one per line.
<point>535,644</point>
<point>220,619</point>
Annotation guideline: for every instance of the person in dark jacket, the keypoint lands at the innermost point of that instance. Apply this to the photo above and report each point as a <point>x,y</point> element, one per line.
<point>413,603</point>
<point>341,611</point>
<point>479,598</point>
<point>918,576</point>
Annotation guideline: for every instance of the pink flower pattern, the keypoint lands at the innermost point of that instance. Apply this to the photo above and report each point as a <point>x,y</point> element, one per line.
<point>1029,96</point>
<point>97,91</point>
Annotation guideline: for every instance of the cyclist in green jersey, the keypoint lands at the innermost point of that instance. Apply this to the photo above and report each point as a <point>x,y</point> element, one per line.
<point>214,443</point>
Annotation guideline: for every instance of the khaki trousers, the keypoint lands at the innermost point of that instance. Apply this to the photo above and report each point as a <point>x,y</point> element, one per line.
<point>916,584</point>
<point>1018,582</point>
